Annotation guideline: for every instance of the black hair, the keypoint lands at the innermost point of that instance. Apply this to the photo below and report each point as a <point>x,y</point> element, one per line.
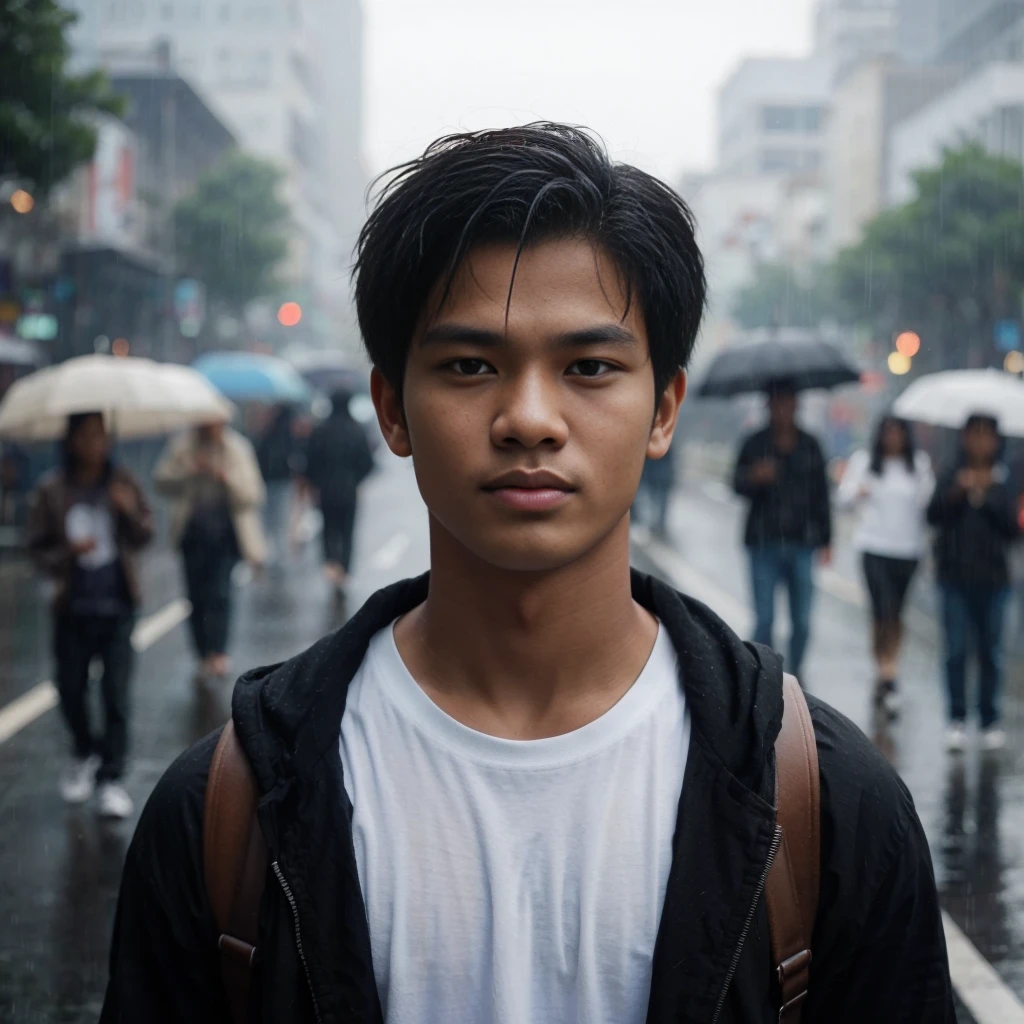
<point>522,185</point>
<point>984,419</point>
<point>76,421</point>
<point>878,451</point>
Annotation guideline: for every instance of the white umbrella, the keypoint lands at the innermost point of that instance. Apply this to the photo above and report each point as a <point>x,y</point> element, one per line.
<point>946,399</point>
<point>138,398</point>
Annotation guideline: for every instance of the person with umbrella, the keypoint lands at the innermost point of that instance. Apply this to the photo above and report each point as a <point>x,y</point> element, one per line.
<point>88,520</point>
<point>338,460</point>
<point>213,477</point>
<point>277,451</point>
<point>781,472</point>
<point>974,512</point>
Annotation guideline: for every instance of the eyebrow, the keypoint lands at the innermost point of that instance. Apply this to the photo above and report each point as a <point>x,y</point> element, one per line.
<point>599,334</point>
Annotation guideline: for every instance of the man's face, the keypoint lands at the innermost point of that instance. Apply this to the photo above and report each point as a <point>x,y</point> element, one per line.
<point>782,409</point>
<point>981,443</point>
<point>530,436</point>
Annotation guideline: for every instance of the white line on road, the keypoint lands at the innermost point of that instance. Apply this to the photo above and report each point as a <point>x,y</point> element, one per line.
<point>24,710</point>
<point>389,554</point>
<point>983,992</point>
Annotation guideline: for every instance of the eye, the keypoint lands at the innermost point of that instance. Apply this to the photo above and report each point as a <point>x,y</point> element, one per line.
<point>469,367</point>
<point>590,368</point>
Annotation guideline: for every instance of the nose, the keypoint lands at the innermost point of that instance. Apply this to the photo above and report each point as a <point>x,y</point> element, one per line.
<point>529,414</point>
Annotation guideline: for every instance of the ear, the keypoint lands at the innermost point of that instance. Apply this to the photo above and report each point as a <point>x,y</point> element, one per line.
<point>666,416</point>
<point>390,414</point>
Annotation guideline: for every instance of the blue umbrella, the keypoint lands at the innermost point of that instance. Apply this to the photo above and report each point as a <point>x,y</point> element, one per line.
<point>247,377</point>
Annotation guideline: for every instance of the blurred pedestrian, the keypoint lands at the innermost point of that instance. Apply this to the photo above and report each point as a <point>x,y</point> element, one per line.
<point>890,486</point>
<point>974,511</point>
<point>338,459</point>
<point>781,471</point>
<point>278,453</point>
<point>87,521</point>
<point>656,485</point>
<point>214,478</point>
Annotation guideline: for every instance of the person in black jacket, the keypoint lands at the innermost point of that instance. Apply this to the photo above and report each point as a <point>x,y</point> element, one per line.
<point>781,471</point>
<point>338,459</point>
<point>530,785</point>
<point>974,511</point>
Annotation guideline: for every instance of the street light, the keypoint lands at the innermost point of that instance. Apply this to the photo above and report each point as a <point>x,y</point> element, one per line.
<point>908,344</point>
<point>22,201</point>
<point>899,364</point>
<point>289,314</point>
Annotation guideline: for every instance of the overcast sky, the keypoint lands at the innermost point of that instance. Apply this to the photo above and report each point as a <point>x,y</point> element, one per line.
<point>643,73</point>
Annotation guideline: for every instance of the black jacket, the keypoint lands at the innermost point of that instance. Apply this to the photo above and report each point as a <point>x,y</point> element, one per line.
<point>972,541</point>
<point>794,508</point>
<point>879,952</point>
<point>338,459</point>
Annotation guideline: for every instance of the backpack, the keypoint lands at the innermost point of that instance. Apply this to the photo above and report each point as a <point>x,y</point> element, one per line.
<point>235,859</point>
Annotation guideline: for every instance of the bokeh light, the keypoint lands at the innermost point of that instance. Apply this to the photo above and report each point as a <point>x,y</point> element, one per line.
<point>120,347</point>
<point>22,201</point>
<point>289,314</point>
<point>908,344</point>
<point>1014,362</point>
<point>899,364</point>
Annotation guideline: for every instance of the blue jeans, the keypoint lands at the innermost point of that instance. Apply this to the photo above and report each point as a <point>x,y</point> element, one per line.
<point>790,564</point>
<point>980,611</point>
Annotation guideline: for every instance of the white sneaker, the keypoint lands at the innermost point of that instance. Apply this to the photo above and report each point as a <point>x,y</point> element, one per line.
<point>113,801</point>
<point>956,737</point>
<point>78,780</point>
<point>993,738</point>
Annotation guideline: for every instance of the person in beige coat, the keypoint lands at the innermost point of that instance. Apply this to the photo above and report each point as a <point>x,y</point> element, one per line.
<point>214,480</point>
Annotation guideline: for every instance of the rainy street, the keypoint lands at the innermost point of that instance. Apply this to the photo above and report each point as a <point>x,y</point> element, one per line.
<point>60,865</point>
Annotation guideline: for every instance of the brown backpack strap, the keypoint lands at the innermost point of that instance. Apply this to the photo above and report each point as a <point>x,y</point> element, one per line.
<point>793,881</point>
<point>234,863</point>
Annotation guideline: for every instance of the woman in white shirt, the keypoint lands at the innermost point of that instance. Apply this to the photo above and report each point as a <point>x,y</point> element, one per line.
<point>890,486</point>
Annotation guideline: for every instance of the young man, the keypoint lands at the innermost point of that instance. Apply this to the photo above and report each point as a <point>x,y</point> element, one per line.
<point>781,471</point>
<point>531,787</point>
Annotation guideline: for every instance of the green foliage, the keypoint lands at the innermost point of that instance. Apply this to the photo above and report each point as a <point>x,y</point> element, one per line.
<point>949,264</point>
<point>232,232</point>
<point>43,135</point>
<point>778,298</point>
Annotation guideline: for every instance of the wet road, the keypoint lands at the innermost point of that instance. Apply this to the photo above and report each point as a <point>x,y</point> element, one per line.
<point>60,866</point>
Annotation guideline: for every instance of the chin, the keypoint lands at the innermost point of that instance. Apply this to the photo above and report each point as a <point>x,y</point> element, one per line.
<point>532,550</point>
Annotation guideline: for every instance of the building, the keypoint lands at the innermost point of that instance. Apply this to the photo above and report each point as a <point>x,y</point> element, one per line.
<point>868,102</point>
<point>847,32</point>
<point>962,31</point>
<point>771,117</point>
<point>986,107</point>
<point>286,77</point>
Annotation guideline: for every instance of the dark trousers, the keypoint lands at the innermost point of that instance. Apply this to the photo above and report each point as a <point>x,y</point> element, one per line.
<point>791,565</point>
<point>977,612</point>
<point>78,639</point>
<point>339,529</point>
<point>208,584</point>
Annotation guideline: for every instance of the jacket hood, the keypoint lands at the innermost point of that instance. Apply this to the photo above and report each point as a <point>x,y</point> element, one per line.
<point>288,716</point>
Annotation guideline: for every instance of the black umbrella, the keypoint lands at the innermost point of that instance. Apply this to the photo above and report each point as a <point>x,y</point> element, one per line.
<point>799,365</point>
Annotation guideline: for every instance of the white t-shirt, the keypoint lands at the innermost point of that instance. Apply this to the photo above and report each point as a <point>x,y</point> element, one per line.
<point>892,515</point>
<point>510,881</point>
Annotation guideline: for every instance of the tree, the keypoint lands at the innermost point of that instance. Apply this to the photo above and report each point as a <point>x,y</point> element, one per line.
<point>948,265</point>
<point>778,298</point>
<point>231,233</point>
<point>43,134</point>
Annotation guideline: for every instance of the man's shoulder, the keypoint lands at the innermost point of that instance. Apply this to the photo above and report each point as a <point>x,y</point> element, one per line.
<point>863,799</point>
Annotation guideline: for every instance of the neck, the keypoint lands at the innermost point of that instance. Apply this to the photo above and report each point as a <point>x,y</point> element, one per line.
<point>87,476</point>
<point>532,642</point>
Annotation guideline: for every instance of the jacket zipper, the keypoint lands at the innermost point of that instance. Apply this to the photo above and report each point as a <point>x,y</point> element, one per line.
<point>298,936</point>
<point>758,892</point>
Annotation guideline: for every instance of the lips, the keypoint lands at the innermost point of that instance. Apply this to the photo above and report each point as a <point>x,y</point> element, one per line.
<point>530,490</point>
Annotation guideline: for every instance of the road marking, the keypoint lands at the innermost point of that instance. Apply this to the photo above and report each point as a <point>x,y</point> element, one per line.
<point>159,624</point>
<point>389,554</point>
<point>984,993</point>
<point>43,697</point>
